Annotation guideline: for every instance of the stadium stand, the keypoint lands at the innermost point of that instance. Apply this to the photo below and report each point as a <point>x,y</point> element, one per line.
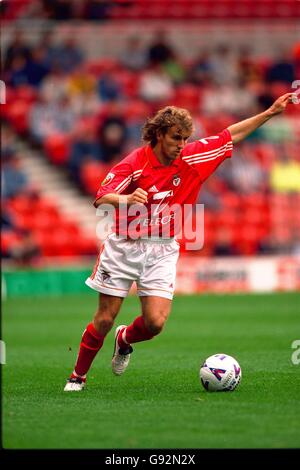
<point>95,10</point>
<point>86,113</point>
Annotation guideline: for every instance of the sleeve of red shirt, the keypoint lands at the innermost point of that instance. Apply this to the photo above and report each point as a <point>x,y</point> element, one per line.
<point>117,180</point>
<point>205,155</point>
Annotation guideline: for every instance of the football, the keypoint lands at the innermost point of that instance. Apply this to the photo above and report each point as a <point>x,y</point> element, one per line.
<point>220,372</point>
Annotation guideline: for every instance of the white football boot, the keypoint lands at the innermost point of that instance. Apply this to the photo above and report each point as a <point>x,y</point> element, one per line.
<point>74,384</point>
<point>121,357</point>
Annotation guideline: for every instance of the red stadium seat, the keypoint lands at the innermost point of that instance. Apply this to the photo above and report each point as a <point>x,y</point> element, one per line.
<point>86,246</point>
<point>247,238</point>
<point>17,114</point>
<point>226,219</point>
<point>231,201</point>
<point>57,148</point>
<point>70,228</point>
<point>91,176</point>
<point>56,243</point>
<point>188,96</point>
<point>43,221</point>
<point>8,240</point>
<point>129,82</point>
<point>26,93</point>
<point>97,66</point>
<point>136,109</point>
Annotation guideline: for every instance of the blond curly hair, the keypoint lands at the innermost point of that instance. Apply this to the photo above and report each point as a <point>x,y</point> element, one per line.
<point>164,119</point>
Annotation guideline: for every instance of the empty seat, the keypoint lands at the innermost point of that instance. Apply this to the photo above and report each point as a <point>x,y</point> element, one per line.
<point>91,175</point>
<point>57,148</point>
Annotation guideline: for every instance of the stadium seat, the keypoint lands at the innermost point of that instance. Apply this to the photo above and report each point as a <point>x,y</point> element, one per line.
<point>26,93</point>
<point>188,96</point>
<point>9,239</point>
<point>17,114</point>
<point>97,66</point>
<point>231,201</point>
<point>136,109</point>
<point>129,82</point>
<point>87,246</point>
<point>91,175</point>
<point>57,148</point>
<point>246,239</point>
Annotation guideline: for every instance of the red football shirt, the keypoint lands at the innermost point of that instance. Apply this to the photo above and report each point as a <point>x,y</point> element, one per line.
<point>168,187</point>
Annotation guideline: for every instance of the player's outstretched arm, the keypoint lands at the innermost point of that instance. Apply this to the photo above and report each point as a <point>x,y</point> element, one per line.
<point>139,196</point>
<point>242,129</point>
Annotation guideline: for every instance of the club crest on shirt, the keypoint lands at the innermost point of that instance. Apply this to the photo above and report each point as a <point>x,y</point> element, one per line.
<point>109,177</point>
<point>176,180</point>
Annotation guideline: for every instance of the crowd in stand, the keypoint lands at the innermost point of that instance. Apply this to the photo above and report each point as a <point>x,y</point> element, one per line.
<point>87,115</point>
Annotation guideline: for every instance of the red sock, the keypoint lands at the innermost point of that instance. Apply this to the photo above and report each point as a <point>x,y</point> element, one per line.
<point>90,344</point>
<point>74,376</point>
<point>135,333</point>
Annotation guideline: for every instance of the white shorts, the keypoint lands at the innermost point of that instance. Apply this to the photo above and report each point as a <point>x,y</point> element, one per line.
<point>151,263</point>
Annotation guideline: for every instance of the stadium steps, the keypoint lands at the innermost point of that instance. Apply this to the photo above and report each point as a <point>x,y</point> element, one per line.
<point>54,184</point>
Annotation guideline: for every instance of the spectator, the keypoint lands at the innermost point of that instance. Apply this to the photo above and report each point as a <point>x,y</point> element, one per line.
<point>155,85</point>
<point>235,100</point>
<point>98,9</point>
<point>51,49</point>
<point>31,72</point>
<point>248,68</point>
<point>224,66</point>
<point>81,88</point>
<point>23,249</point>
<point>8,143</point>
<point>282,70</point>
<point>14,180</point>
<point>36,69</point>
<point>17,75</point>
<point>264,96</point>
<point>66,56</point>
<point>200,72</point>
<point>26,251</point>
<point>86,104</point>
<point>247,176</point>
<point>285,173</point>
<point>58,9</point>
<point>279,131</point>
<point>133,57</point>
<point>136,113</point>
<point>84,147</point>
<point>175,69</point>
<point>80,82</point>
<point>108,87</point>
<point>17,48</point>
<point>112,134</point>
<point>50,118</point>
<point>211,195</point>
<point>278,242</point>
<point>159,51</point>
<point>54,86</point>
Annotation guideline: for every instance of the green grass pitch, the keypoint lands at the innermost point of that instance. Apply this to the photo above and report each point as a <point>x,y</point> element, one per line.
<point>159,402</point>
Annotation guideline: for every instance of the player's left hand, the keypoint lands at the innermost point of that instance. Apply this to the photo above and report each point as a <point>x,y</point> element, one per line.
<point>281,103</point>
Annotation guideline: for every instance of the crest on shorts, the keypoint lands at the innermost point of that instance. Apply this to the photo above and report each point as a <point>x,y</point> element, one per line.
<point>109,177</point>
<point>176,180</point>
<point>105,275</point>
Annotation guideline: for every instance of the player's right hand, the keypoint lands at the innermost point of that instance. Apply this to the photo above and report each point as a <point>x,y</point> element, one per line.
<point>139,196</point>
